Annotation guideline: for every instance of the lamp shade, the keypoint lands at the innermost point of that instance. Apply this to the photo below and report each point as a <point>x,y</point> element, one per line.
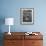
<point>9,21</point>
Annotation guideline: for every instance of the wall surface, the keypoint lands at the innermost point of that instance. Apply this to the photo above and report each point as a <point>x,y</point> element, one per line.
<point>11,8</point>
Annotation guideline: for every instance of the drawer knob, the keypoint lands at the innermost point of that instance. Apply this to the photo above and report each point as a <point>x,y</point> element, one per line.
<point>33,42</point>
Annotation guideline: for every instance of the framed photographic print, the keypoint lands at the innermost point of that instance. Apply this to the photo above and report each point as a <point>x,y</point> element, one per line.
<point>26,15</point>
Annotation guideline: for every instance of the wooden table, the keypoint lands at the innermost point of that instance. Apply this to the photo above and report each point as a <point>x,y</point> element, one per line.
<point>20,39</point>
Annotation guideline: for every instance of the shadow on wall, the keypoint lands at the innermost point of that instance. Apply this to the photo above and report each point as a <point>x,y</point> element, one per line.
<point>1,39</point>
<point>2,21</point>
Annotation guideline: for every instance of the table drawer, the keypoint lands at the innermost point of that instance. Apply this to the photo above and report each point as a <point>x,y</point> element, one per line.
<point>33,43</point>
<point>16,37</point>
<point>9,43</point>
<point>34,37</point>
<point>13,43</point>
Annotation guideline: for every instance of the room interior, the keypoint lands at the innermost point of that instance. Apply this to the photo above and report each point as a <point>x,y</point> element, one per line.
<point>11,9</point>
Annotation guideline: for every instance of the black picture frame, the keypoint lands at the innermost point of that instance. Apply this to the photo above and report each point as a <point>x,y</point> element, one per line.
<point>27,15</point>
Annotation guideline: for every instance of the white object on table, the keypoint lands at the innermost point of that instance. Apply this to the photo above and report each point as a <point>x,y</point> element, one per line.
<point>9,21</point>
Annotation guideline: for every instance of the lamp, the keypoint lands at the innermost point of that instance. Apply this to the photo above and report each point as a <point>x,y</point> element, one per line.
<point>9,21</point>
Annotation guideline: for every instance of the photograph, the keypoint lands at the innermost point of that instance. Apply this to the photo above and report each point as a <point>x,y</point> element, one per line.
<point>27,15</point>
